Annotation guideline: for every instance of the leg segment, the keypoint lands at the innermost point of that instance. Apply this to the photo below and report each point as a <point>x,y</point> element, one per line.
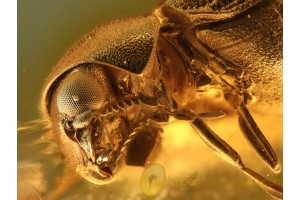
<point>258,141</point>
<point>221,148</point>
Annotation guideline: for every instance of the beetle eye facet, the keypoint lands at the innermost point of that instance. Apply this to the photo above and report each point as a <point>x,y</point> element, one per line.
<point>79,92</point>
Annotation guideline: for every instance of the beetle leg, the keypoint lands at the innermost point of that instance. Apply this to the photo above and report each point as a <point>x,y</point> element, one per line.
<point>270,187</point>
<point>256,138</point>
<point>225,151</point>
<point>248,126</point>
<point>218,145</point>
<point>246,122</point>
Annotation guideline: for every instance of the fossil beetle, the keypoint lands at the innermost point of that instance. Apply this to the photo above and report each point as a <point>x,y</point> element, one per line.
<point>189,60</point>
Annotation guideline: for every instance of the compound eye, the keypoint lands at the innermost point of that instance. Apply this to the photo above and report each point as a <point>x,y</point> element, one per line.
<point>79,92</point>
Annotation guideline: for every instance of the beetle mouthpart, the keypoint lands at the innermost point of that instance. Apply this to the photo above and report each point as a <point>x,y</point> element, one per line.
<point>101,174</point>
<point>107,171</point>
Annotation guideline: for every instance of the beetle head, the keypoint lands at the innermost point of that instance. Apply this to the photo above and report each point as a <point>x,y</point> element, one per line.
<point>99,94</point>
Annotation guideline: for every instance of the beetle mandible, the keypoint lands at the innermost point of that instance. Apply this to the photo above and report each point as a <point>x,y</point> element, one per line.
<point>111,92</point>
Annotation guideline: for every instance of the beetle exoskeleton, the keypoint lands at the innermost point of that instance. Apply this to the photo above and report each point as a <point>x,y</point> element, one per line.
<point>109,94</point>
